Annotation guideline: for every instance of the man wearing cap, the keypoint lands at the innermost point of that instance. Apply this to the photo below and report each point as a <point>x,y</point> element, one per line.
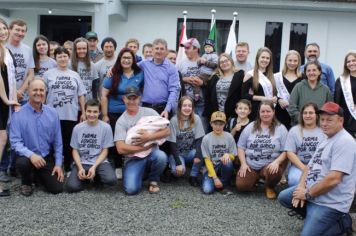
<point>242,50</point>
<point>161,87</point>
<point>94,52</point>
<point>136,168</point>
<point>190,71</point>
<point>326,189</point>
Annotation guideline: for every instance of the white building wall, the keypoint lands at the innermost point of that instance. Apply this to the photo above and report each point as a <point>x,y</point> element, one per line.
<point>334,32</point>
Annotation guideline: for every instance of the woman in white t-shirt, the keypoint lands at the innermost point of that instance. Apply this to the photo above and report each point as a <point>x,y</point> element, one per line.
<point>302,141</point>
<point>185,139</point>
<point>43,62</point>
<point>80,62</point>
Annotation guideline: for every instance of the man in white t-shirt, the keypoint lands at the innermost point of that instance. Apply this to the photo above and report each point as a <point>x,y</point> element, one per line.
<point>23,57</point>
<point>242,50</point>
<point>326,189</point>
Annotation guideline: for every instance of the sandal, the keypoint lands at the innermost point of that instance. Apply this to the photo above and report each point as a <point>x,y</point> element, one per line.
<point>153,188</point>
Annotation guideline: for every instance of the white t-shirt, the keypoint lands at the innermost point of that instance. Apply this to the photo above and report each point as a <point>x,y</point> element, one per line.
<point>337,153</point>
<point>64,88</point>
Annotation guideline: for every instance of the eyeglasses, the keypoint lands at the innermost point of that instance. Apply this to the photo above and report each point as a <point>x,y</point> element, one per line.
<point>126,58</point>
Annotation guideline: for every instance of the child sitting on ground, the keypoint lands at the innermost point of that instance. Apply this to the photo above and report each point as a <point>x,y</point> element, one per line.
<point>219,151</point>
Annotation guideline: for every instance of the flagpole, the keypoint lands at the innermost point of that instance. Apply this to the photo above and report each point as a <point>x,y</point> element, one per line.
<point>213,11</point>
<point>231,40</point>
<point>182,38</point>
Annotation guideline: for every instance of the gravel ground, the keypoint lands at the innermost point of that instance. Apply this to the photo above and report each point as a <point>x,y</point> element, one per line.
<point>178,209</point>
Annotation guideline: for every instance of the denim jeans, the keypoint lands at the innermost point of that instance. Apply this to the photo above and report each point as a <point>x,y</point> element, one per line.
<point>294,174</point>
<point>189,158</point>
<point>136,169</point>
<point>319,220</point>
<point>199,110</point>
<point>224,172</point>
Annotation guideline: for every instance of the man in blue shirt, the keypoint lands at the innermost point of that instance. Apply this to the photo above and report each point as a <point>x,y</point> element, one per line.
<point>161,87</point>
<point>312,53</point>
<point>35,136</point>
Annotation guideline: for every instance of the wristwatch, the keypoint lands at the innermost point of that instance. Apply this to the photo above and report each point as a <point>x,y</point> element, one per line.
<point>308,197</point>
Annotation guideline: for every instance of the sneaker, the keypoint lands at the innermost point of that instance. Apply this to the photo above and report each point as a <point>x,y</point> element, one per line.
<point>270,193</point>
<point>225,192</point>
<point>4,177</point>
<point>193,181</point>
<point>26,190</point>
<point>118,172</point>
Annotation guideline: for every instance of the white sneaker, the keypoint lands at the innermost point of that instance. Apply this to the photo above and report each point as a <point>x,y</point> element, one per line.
<point>118,173</point>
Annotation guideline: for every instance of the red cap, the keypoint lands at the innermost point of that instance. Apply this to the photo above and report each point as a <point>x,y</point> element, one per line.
<point>331,108</point>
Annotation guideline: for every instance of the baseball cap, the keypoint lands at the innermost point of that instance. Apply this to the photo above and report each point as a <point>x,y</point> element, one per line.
<point>218,116</point>
<point>331,108</point>
<point>132,91</point>
<point>91,35</point>
<point>191,42</point>
<point>209,42</point>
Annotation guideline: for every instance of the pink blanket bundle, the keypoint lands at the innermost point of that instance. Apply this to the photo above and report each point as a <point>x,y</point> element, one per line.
<point>150,124</point>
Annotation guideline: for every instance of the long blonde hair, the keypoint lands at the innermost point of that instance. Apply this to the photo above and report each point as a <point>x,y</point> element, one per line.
<point>269,70</point>
<point>218,70</point>
<point>191,119</point>
<point>2,47</point>
<point>285,67</point>
<point>346,71</point>
<point>74,59</point>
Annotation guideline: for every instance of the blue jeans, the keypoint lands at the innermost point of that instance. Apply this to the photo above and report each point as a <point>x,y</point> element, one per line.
<point>294,174</point>
<point>319,220</point>
<point>189,159</point>
<point>224,172</point>
<point>136,169</point>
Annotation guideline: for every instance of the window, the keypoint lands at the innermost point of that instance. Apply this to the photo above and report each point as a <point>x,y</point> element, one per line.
<point>298,38</point>
<point>62,28</point>
<point>273,40</point>
<point>200,29</point>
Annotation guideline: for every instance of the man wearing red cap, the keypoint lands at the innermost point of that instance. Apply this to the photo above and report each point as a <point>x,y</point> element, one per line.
<point>326,189</point>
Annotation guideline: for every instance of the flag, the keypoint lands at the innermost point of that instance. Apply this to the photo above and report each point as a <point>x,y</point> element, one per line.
<point>213,32</point>
<point>231,40</point>
<point>182,39</point>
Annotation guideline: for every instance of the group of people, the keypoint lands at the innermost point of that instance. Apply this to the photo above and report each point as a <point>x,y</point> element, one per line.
<point>76,114</point>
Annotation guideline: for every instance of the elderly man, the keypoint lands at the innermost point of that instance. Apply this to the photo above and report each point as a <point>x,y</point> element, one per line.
<point>312,53</point>
<point>136,168</point>
<point>161,81</point>
<point>326,189</point>
<point>35,136</point>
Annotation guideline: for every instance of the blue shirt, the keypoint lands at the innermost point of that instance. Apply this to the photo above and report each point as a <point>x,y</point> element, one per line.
<point>327,76</point>
<point>116,103</point>
<point>161,83</point>
<point>36,132</point>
